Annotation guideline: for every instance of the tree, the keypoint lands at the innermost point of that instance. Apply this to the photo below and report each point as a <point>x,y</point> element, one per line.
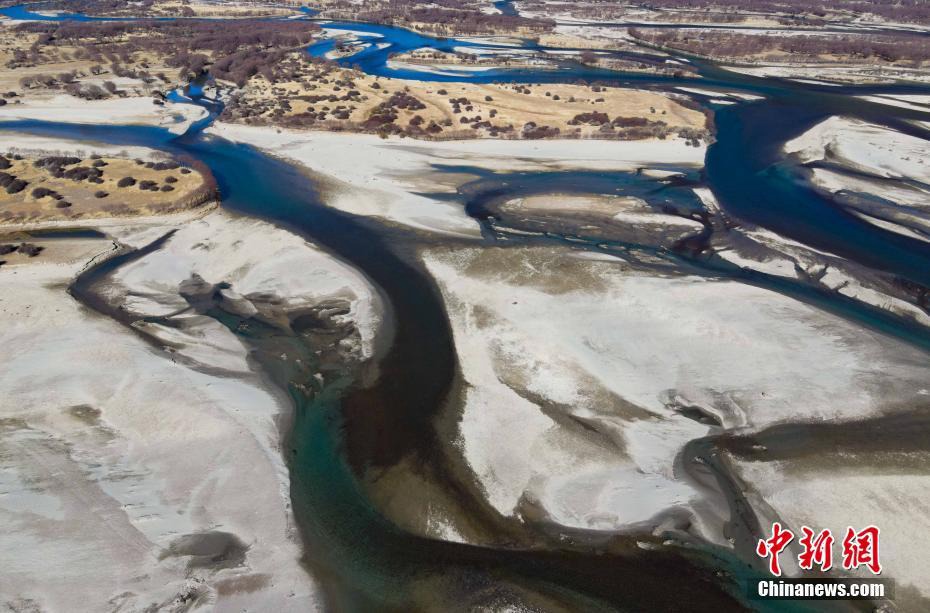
<point>588,57</point>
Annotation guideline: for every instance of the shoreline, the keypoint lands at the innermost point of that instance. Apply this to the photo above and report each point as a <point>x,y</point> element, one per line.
<point>113,420</point>
<point>103,223</point>
<point>175,117</point>
<point>136,232</point>
<point>386,178</point>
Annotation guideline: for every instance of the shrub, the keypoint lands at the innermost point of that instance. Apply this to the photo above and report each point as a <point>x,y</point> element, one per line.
<point>630,122</point>
<point>16,186</point>
<point>87,91</point>
<point>30,249</point>
<point>82,173</point>
<point>594,119</point>
<point>126,182</point>
<point>55,161</point>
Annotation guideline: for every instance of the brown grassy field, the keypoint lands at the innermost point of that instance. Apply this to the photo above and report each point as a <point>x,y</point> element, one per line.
<point>67,59</point>
<point>60,188</point>
<point>339,99</point>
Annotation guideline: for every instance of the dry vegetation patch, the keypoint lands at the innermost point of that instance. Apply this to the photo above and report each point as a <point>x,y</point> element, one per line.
<point>911,50</point>
<point>171,8</point>
<point>323,96</point>
<point>443,17</point>
<point>788,12</point>
<point>60,187</point>
<point>97,60</point>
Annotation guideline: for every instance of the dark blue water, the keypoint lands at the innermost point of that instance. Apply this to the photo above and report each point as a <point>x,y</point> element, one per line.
<point>506,7</point>
<point>399,40</point>
<point>744,169</point>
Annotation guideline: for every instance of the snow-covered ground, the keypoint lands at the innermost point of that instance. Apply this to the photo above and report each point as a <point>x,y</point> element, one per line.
<point>29,144</point>
<point>865,147</point>
<point>583,363</point>
<point>389,178</point>
<point>129,111</point>
<point>724,95</point>
<point>821,74</point>
<point>891,165</point>
<point>132,479</point>
<point>785,258</point>
<point>440,69</point>
<point>258,260</point>
<point>917,102</point>
<point>765,251</point>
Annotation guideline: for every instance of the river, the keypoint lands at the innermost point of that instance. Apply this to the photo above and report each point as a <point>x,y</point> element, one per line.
<point>366,562</point>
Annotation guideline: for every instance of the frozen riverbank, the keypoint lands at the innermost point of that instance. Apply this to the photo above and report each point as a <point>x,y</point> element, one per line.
<point>142,474</point>
<point>601,374</point>
<point>391,179</point>
<point>177,118</point>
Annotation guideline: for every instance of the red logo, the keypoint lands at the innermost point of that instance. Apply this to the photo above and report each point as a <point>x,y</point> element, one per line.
<point>771,547</point>
<point>817,550</point>
<point>859,548</point>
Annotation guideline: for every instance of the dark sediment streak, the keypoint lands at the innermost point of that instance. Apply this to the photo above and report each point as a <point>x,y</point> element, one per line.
<point>85,285</point>
<point>904,432</point>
